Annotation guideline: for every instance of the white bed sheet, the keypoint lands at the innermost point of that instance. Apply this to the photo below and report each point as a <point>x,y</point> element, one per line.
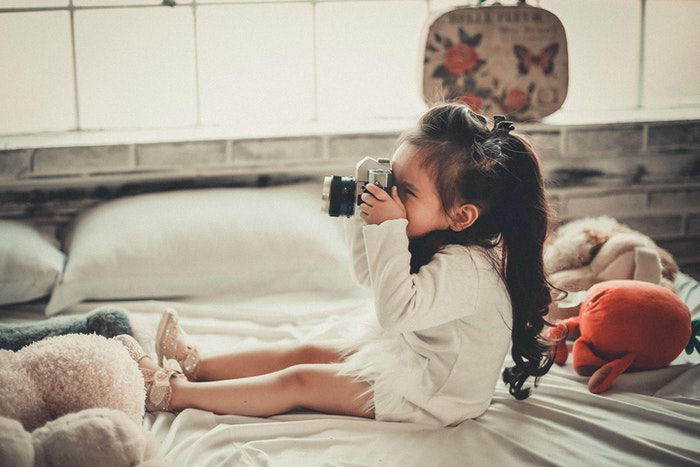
<point>648,418</point>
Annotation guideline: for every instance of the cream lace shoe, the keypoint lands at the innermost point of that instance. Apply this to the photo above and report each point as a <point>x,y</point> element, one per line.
<point>174,344</point>
<point>159,389</point>
<point>156,380</point>
<point>132,346</point>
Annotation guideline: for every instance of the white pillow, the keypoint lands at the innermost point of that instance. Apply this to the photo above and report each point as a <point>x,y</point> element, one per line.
<point>203,242</point>
<point>29,264</point>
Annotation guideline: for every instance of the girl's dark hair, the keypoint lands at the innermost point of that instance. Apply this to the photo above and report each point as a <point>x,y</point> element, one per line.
<point>499,173</point>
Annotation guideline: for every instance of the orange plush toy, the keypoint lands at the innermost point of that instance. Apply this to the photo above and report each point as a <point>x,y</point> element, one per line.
<point>624,324</point>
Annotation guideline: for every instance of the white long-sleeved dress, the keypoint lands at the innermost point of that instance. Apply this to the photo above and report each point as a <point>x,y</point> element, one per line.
<point>436,349</point>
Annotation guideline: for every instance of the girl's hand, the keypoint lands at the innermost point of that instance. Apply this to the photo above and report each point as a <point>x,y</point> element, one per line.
<point>377,206</point>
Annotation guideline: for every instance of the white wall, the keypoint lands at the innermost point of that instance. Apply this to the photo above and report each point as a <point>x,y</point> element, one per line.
<point>149,66</point>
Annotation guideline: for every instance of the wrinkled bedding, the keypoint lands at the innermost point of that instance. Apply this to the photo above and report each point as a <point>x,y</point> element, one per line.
<point>648,418</point>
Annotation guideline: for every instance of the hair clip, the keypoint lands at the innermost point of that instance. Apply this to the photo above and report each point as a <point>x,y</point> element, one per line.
<point>501,126</point>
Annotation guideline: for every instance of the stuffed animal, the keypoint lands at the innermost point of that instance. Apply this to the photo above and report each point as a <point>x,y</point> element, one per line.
<point>107,321</point>
<point>624,324</point>
<point>590,250</point>
<point>82,395</point>
<point>104,437</point>
<point>63,374</point>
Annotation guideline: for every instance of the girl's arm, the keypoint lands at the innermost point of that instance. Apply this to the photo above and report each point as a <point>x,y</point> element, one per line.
<point>353,236</point>
<point>454,284</point>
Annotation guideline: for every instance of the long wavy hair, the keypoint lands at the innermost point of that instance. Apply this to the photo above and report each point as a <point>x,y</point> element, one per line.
<point>499,173</point>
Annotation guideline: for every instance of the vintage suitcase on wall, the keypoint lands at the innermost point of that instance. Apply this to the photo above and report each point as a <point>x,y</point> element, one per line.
<point>507,60</point>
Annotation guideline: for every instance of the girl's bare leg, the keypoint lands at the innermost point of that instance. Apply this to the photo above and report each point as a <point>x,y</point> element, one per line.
<point>261,361</point>
<point>312,386</point>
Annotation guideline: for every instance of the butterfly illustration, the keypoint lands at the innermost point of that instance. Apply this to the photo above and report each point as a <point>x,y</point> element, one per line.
<point>465,38</point>
<point>544,60</point>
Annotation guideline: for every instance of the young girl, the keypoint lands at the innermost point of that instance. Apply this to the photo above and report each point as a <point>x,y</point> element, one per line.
<point>454,259</point>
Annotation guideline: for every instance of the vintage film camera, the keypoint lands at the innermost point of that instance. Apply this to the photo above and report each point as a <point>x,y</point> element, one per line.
<point>342,194</point>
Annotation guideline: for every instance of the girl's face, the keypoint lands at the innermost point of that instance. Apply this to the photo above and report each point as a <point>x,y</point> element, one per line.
<point>418,193</point>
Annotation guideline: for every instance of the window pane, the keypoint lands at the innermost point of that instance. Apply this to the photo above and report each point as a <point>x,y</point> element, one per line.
<point>255,63</point>
<point>32,3</point>
<point>122,2</point>
<point>135,67</point>
<point>242,1</point>
<point>437,5</point>
<point>369,58</point>
<point>603,39</point>
<point>36,72</point>
<point>671,58</point>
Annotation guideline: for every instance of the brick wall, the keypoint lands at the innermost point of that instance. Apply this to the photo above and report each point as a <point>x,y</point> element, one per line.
<point>646,174</point>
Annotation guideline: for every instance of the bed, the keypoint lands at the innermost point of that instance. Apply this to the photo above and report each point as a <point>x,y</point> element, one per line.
<point>291,283</point>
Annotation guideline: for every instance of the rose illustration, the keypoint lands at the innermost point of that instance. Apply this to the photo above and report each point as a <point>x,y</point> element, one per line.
<point>517,98</point>
<point>473,101</point>
<point>460,58</point>
<point>456,64</point>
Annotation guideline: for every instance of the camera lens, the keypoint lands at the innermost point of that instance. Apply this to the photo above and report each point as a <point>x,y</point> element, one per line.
<point>338,196</point>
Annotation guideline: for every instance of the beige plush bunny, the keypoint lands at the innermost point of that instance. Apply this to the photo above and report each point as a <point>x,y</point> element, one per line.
<point>74,399</point>
<point>590,250</point>
<point>104,437</point>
